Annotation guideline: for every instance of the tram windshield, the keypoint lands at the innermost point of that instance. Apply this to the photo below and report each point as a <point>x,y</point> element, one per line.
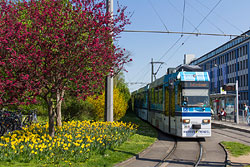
<point>195,94</point>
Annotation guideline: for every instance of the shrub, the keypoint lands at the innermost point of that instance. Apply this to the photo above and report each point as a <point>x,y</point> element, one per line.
<point>120,105</point>
<point>76,109</point>
<point>40,107</point>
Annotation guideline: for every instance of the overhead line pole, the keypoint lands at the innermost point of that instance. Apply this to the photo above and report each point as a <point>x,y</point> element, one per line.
<point>108,115</point>
<point>152,68</point>
<point>154,73</point>
<point>187,33</point>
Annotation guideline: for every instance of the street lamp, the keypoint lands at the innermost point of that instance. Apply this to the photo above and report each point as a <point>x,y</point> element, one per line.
<point>237,101</point>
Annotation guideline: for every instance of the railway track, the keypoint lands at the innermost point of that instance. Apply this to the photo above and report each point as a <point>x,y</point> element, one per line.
<point>168,154</point>
<point>187,158</point>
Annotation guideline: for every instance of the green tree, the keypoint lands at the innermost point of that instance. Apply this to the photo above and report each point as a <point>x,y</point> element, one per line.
<point>119,83</point>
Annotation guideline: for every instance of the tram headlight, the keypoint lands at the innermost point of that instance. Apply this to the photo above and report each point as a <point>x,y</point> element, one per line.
<point>206,121</point>
<point>186,121</point>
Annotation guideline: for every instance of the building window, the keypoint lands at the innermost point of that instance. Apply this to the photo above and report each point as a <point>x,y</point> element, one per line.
<point>243,80</point>
<point>247,80</point>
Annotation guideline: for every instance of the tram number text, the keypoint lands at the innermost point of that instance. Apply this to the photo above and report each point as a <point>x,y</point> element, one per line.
<point>200,131</point>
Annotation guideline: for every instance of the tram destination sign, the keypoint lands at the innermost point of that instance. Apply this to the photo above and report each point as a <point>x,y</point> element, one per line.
<point>196,84</point>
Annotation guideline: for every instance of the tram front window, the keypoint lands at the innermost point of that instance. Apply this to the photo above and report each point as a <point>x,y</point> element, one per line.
<point>196,101</point>
<point>195,97</point>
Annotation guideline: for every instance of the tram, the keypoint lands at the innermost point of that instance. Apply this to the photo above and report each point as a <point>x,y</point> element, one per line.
<point>177,103</point>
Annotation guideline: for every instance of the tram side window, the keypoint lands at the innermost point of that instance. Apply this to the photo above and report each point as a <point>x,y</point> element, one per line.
<point>144,98</point>
<point>167,101</point>
<point>140,100</point>
<point>156,96</point>
<point>136,100</point>
<point>179,95</point>
<point>160,95</point>
<point>152,96</point>
<point>172,105</point>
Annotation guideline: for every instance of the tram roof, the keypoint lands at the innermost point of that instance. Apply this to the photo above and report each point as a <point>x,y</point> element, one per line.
<point>157,82</point>
<point>193,76</point>
<point>182,76</point>
<point>143,89</point>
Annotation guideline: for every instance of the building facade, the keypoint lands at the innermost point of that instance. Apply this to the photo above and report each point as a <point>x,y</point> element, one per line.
<point>228,63</point>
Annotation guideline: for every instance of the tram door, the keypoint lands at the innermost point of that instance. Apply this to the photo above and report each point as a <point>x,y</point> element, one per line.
<point>166,112</point>
<point>172,123</point>
<point>169,119</point>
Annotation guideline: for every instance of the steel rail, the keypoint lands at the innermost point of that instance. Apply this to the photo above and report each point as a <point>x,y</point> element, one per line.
<point>200,155</point>
<point>169,154</point>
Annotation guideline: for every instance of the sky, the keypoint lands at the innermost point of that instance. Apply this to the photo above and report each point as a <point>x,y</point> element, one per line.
<point>204,16</point>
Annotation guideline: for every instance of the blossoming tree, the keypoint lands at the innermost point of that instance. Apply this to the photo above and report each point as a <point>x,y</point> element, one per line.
<point>48,47</point>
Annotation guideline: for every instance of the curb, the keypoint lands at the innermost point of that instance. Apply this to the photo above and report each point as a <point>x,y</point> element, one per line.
<point>227,158</point>
<point>136,156</point>
<point>231,127</point>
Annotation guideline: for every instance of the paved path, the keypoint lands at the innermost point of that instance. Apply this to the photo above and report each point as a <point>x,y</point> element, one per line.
<point>152,155</point>
<point>231,125</point>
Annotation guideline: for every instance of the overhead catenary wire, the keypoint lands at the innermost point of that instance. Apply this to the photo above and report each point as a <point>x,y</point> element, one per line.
<point>145,67</point>
<point>181,13</point>
<point>198,27</point>
<point>135,83</point>
<point>186,33</point>
<point>208,13</point>
<point>175,33</point>
<point>151,4</point>
<point>158,15</point>
<point>146,72</point>
<point>228,22</point>
<point>206,18</point>
<point>171,47</point>
<point>189,33</point>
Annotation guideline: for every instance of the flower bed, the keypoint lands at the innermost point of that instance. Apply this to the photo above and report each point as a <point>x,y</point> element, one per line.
<point>74,141</point>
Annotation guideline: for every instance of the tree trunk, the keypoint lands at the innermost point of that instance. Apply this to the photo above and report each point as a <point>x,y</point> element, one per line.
<point>59,98</point>
<point>51,119</point>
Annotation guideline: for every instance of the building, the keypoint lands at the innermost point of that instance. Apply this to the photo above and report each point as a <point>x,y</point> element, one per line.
<point>228,63</point>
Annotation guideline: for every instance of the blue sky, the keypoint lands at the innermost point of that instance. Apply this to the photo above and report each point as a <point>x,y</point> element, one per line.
<point>229,17</point>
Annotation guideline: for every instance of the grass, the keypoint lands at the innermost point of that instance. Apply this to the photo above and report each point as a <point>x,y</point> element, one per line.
<point>145,136</point>
<point>236,149</point>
